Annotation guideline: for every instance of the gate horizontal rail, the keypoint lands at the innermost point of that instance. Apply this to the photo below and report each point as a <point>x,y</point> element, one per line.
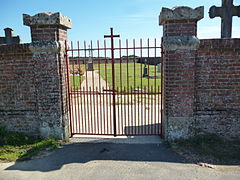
<point>99,93</point>
<point>122,48</point>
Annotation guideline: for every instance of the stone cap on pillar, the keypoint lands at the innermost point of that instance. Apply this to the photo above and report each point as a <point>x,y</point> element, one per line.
<point>47,18</point>
<point>181,13</point>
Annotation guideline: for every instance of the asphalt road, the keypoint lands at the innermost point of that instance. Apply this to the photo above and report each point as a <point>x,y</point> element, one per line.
<point>106,160</point>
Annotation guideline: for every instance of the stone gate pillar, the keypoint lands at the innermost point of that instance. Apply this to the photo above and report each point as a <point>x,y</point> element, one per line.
<point>180,45</point>
<point>48,33</point>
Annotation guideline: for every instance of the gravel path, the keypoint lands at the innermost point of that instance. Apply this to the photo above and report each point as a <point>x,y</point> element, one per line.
<point>93,81</point>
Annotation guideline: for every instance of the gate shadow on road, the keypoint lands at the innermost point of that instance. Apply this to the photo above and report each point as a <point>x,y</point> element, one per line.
<point>91,151</point>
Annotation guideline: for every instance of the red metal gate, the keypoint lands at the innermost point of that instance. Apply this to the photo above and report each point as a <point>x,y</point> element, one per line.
<point>115,90</point>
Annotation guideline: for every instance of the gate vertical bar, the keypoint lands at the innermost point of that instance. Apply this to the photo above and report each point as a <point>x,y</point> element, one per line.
<point>105,94</point>
<point>113,85</point>
<point>162,95</point>
<point>134,95</point>
<point>74,90</point>
<point>113,79</point>
<point>69,90</point>
<point>142,104</point>
<point>77,94</point>
<point>155,88</point>
<point>148,88</point>
<point>121,88</point>
<point>100,87</point>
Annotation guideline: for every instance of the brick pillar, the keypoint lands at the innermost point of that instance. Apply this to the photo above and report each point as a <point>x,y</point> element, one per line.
<point>48,32</point>
<point>180,46</point>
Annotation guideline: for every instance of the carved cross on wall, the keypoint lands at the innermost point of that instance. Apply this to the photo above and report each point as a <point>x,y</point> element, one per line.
<point>226,12</point>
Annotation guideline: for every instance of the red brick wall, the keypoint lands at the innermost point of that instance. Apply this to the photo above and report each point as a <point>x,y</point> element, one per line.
<point>218,86</point>
<point>33,90</point>
<point>18,103</point>
<point>33,86</point>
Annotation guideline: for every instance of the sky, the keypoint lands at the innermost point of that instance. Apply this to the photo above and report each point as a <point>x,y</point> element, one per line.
<point>91,19</point>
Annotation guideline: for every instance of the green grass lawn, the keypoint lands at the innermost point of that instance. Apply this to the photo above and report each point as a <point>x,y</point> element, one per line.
<point>76,76</point>
<point>129,76</point>
<point>17,146</point>
<point>76,82</point>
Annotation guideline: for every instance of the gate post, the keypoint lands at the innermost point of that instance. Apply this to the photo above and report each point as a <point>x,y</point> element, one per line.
<point>180,46</point>
<point>48,33</point>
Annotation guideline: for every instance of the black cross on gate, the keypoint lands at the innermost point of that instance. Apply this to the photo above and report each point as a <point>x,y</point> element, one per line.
<point>111,36</point>
<point>226,12</point>
<point>113,80</point>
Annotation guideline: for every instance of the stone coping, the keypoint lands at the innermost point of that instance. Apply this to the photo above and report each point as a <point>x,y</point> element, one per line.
<point>47,18</point>
<point>181,13</point>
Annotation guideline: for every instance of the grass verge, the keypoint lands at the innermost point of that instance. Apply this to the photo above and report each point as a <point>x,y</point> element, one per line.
<point>209,149</point>
<point>17,146</point>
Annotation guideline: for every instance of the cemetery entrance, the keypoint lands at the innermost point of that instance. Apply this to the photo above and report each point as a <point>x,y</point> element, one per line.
<point>115,87</point>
